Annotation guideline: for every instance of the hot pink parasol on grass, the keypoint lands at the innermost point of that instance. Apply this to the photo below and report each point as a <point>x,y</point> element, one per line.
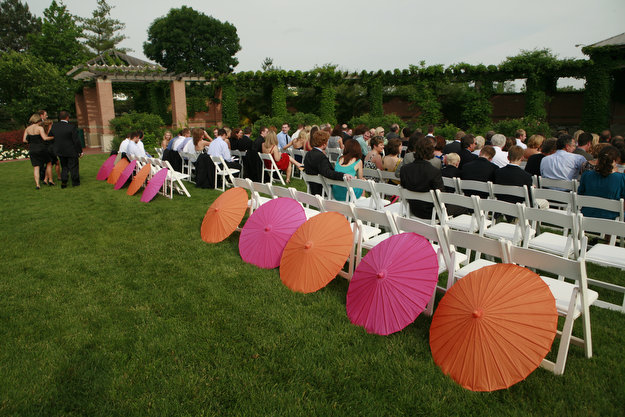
<point>392,284</point>
<point>267,231</point>
<point>154,185</point>
<point>126,173</point>
<point>106,168</point>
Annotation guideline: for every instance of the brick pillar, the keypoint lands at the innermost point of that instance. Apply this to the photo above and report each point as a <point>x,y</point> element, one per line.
<point>104,89</point>
<point>178,104</point>
<point>89,114</point>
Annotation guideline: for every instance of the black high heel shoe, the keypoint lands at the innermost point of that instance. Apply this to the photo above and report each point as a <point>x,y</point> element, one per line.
<point>51,183</point>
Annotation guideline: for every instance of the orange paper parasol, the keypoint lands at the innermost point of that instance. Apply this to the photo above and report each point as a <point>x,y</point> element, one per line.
<point>224,215</point>
<point>316,252</point>
<point>494,327</point>
<point>139,180</point>
<point>117,171</point>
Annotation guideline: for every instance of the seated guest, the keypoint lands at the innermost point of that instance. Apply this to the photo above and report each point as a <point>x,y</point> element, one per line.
<point>584,142</point>
<point>244,143</point>
<point>176,143</point>
<point>373,159</point>
<point>604,182</point>
<point>421,176</point>
<point>519,137</point>
<point>235,135</point>
<point>283,160</point>
<point>533,146</point>
<point>467,145</point>
<point>218,147</point>
<point>167,136</point>
<point>349,163</point>
<point>563,164</point>
<point>438,147</point>
<point>198,145</point>
<point>482,169</point>
<point>479,144</point>
<point>123,147</point>
<point>409,156</point>
<point>451,170</point>
<point>455,145</point>
<point>501,158</point>
<point>336,139</point>
<point>513,174</point>
<point>135,146</point>
<point>533,162</point>
<point>391,160</point>
<point>317,163</point>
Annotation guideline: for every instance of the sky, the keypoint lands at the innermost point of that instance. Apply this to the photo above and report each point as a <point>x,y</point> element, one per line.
<point>370,35</point>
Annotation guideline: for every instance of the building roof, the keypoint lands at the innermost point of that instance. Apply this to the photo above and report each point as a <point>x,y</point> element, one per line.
<point>618,40</point>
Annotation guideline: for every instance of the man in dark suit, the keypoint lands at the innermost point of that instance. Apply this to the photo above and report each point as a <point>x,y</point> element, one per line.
<point>467,143</point>
<point>480,169</point>
<point>316,162</point>
<point>245,142</point>
<point>67,147</point>
<point>455,145</point>
<point>513,174</point>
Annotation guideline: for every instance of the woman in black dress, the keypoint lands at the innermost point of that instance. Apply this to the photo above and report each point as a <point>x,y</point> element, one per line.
<point>36,136</point>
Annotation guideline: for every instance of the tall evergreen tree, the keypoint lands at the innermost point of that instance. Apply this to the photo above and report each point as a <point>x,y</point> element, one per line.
<point>16,22</point>
<point>59,42</point>
<point>101,31</point>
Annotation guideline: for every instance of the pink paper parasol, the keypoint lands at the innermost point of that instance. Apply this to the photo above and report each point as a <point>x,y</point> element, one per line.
<point>106,168</point>
<point>126,173</point>
<point>154,185</point>
<point>268,230</point>
<point>392,284</point>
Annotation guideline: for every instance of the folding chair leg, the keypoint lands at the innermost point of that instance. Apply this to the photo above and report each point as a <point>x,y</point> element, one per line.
<point>565,338</point>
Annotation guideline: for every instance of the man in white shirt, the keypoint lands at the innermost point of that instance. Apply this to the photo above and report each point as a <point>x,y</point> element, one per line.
<point>501,158</point>
<point>563,164</point>
<point>179,145</point>
<point>176,142</point>
<point>219,147</point>
<point>135,146</point>
<point>520,137</point>
<point>283,137</point>
<point>123,147</point>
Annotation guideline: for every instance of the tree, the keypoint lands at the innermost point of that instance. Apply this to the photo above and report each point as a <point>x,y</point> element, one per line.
<point>28,83</point>
<point>16,22</point>
<point>187,41</point>
<point>58,42</point>
<point>101,29</point>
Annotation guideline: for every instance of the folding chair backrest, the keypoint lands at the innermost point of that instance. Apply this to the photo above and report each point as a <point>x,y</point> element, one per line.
<point>387,175</point>
<point>459,200</point>
<point>243,183</point>
<point>501,207</point>
<point>367,186</point>
<point>562,200</point>
<point>279,191</point>
<point>346,209</point>
<point>378,218</point>
<point>471,186</point>
<point>511,190</point>
<point>600,203</point>
<point>478,244</point>
<point>426,197</point>
<point>340,183</point>
<point>559,218</point>
<point>371,173</point>
<point>570,185</point>
<point>263,188</point>
<point>452,182</point>
<point>309,200</point>
<point>333,154</point>
<point>273,170</point>
<point>316,179</point>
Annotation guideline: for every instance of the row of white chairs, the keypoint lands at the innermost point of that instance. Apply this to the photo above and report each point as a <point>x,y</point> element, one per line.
<point>453,249</point>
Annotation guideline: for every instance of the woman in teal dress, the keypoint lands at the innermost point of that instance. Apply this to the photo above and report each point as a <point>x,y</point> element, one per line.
<point>604,182</point>
<point>349,163</point>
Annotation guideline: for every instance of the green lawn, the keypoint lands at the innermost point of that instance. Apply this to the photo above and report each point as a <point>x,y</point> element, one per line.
<point>110,306</point>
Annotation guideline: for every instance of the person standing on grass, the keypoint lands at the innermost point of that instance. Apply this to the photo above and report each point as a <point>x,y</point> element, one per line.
<point>36,137</point>
<point>67,148</point>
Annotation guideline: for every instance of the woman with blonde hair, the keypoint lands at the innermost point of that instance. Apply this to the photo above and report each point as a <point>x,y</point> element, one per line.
<point>36,136</point>
<point>283,160</point>
<point>533,146</point>
<point>166,138</point>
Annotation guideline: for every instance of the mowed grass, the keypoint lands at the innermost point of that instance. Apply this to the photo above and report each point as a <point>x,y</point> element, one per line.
<point>113,307</point>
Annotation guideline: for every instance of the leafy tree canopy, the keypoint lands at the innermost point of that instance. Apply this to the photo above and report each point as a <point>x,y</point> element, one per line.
<point>28,84</point>
<point>16,22</point>
<point>187,41</point>
<point>101,30</point>
<point>58,42</point>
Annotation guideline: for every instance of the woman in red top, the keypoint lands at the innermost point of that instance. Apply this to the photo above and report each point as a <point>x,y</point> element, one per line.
<point>283,160</point>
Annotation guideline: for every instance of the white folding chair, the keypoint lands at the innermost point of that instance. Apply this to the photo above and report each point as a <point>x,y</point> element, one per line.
<point>372,174</point>
<point>246,183</point>
<point>378,219</point>
<point>388,192</point>
<point>558,200</point>
<point>436,237</point>
<point>238,155</point>
<point>469,222</point>
<point>262,193</point>
<point>329,182</point>
<point>174,179</point>
<point>519,192</point>
<point>373,201</point>
<point>566,244</point>
<point>588,201</point>
<point>313,204</point>
<point>283,192</point>
<point>471,187</point>
<point>315,179</point>
<point>573,300</point>
<point>568,185</point>
<point>472,242</point>
<point>428,197</point>
<point>386,176</point>
<point>222,170</point>
<point>347,210</point>
<point>514,231</point>
<point>452,182</point>
<point>270,167</point>
<point>608,255</point>
<point>333,154</point>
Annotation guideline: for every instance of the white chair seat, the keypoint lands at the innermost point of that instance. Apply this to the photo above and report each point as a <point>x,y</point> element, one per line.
<point>463,222</point>
<point>369,231</point>
<point>473,266</point>
<point>505,231</point>
<point>552,243</point>
<point>310,212</point>
<point>562,292</point>
<point>460,258</point>
<point>370,243</point>
<point>607,255</point>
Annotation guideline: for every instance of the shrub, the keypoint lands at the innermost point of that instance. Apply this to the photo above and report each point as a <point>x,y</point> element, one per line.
<point>150,124</point>
<point>448,131</point>
<point>531,126</point>
<point>292,119</point>
<point>12,139</point>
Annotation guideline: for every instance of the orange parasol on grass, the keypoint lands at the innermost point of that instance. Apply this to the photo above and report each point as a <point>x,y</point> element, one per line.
<point>224,215</point>
<point>316,252</point>
<point>117,171</point>
<point>494,327</point>
<point>139,179</point>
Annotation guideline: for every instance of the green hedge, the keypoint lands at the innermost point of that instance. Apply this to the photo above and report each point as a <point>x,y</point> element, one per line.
<point>150,124</point>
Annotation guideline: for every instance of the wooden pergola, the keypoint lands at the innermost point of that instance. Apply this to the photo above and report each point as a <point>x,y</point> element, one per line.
<point>94,105</point>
